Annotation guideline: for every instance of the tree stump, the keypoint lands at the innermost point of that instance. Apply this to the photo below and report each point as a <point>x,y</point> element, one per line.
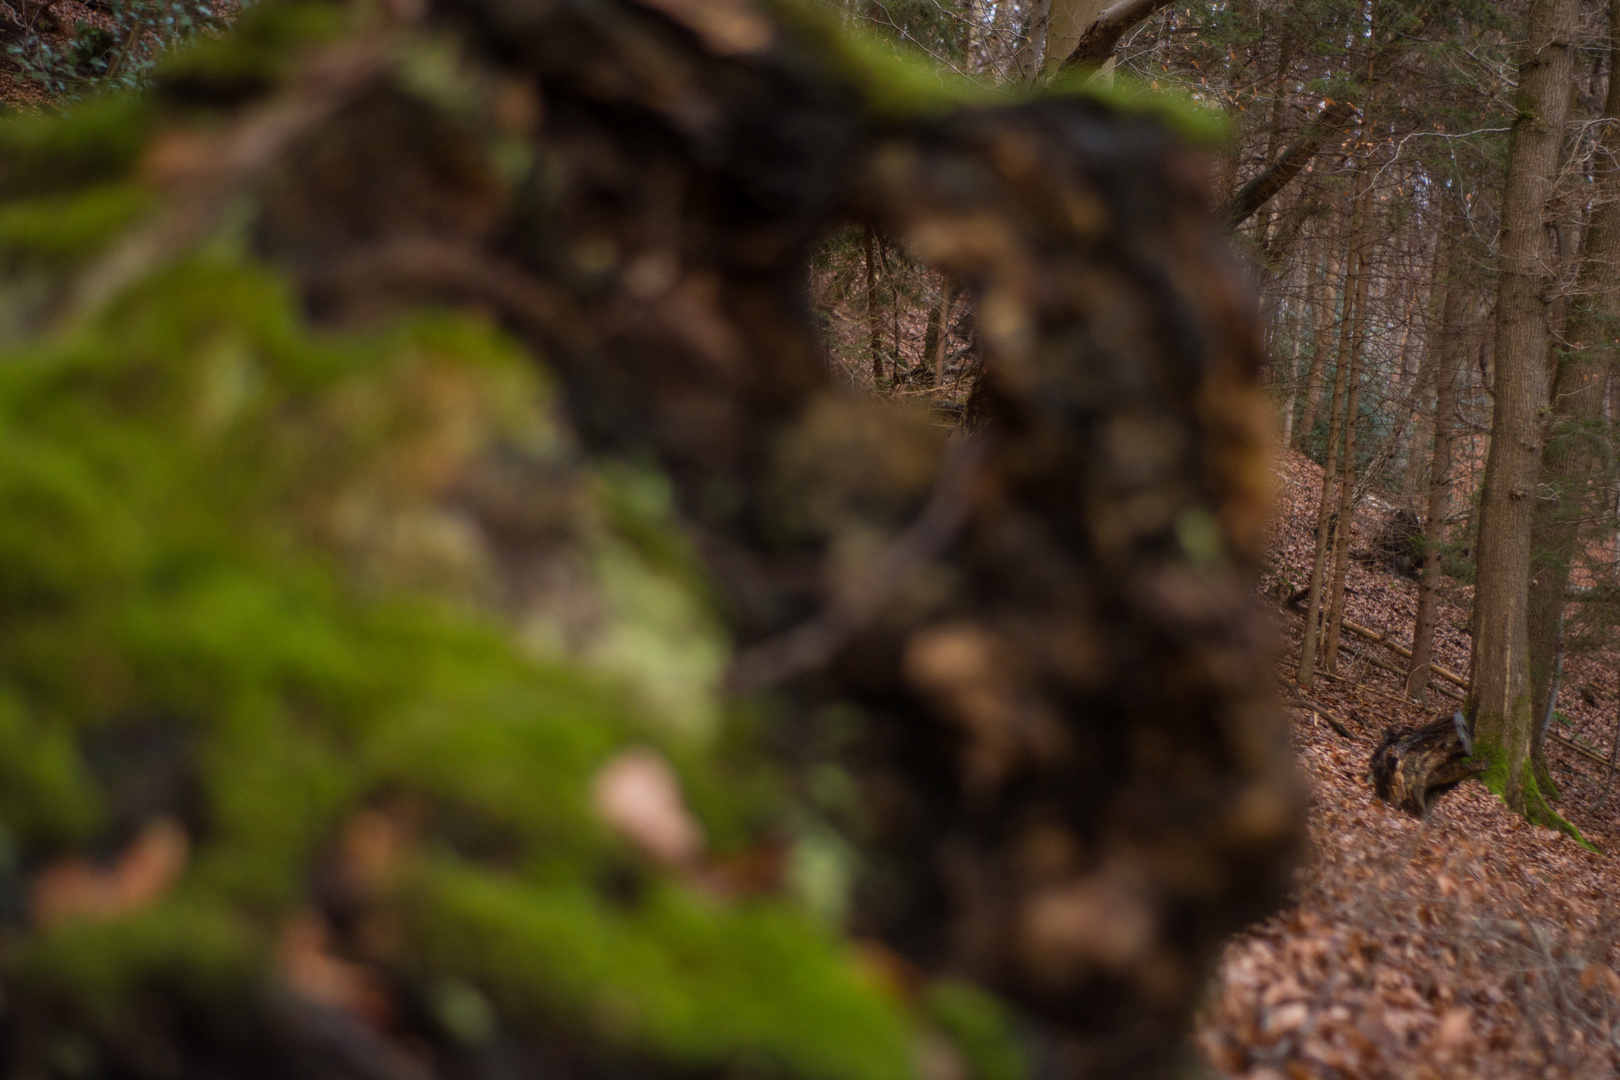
<point>1413,767</point>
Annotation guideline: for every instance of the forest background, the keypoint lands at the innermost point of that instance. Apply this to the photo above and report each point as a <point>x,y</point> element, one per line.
<point>1426,193</point>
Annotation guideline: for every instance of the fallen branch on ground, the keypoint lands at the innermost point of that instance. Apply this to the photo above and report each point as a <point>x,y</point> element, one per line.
<point>1590,755</point>
<point>1402,650</point>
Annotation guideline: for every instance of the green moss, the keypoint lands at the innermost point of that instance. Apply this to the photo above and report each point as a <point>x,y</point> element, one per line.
<point>983,1029</point>
<point>54,229</point>
<point>892,80</point>
<point>46,794</point>
<point>896,81</point>
<point>1536,808</point>
<point>181,578</point>
<point>97,142</point>
<point>1197,123</point>
<point>194,950</point>
<point>673,974</point>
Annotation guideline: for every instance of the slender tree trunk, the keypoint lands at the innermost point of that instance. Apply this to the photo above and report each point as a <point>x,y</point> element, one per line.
<point>971,35</point>
<point>1357,334</point>
<point>1576,442</point>
<point>1323,302</point>
<point>1030,59</point>
<point>1279,99</point>
<point>1499,700</point>
<point>874,320</point>
<point>1313,287</point>
<point>1355,330</point>
<point>1447,351</point>
<point>932,369</point>
<point>1611,417</point>
<point>1417,377</point>
<point>1324,508</point>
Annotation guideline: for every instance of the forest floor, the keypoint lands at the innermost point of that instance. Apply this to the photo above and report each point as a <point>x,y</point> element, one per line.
<point>1473,944</point>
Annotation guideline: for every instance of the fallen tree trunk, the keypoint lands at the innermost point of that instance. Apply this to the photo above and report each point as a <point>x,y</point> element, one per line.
<point>1387,642</point>
<point>1401,650</point>
<point>1413,768</point>
<point>1583,751</point>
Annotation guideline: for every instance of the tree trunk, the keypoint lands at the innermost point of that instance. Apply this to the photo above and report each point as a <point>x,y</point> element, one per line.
<point>1067,23</point>
<point>1096,44</point>
<point>1499,701</point>
<point>874,320</point>
<point>1303,315</point>
<point>1322,303</point>
<point>1030,59</point>
<point>1354,331</point>
<point>1417,376</point>
<point>1324,507</point>
<point>1576,441</point>
<point>1333,119</point>
<point>1447,352</point>
<point>1345,511</point>
<point>931,369</point>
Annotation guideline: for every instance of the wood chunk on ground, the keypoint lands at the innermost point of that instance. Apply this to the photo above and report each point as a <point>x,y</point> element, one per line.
<point>1413,767</point>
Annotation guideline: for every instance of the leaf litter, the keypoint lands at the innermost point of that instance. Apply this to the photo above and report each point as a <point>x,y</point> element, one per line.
<point>1472,944</point>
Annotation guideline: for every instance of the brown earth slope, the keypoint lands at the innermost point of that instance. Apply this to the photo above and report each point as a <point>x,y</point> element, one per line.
<point>1470,945</point>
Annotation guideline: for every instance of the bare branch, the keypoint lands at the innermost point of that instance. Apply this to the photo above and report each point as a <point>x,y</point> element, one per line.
<point>1097,44</point>
<point>1288,164</point>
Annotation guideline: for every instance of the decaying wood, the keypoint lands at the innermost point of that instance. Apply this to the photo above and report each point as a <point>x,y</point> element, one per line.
<point>1412,768</point>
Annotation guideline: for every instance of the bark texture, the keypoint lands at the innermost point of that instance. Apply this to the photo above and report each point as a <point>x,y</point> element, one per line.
<point>1500,701</point>
<point>1447,352</point>
<point>1412,769</point>
<point>1067,23</point>
<point>1577,440</point>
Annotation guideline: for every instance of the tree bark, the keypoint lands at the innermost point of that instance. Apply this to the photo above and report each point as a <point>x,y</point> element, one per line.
<point>1447,352</point>
<point>1323,302</point>
<point>874,321</point>
<point>1303,314</point>
<point>1499,701</point>
<point>1324,507</point>
<point>1353,332</point>
<point>1282,170</point>
<point>1356,333</point>
<point>1264,186</point>
<point>1576,442</point>
<point>1030,59</point>
<point>930,371</point>
<point>1098,40</point>
<point>1410,770</point>
<point>1066,25</point>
